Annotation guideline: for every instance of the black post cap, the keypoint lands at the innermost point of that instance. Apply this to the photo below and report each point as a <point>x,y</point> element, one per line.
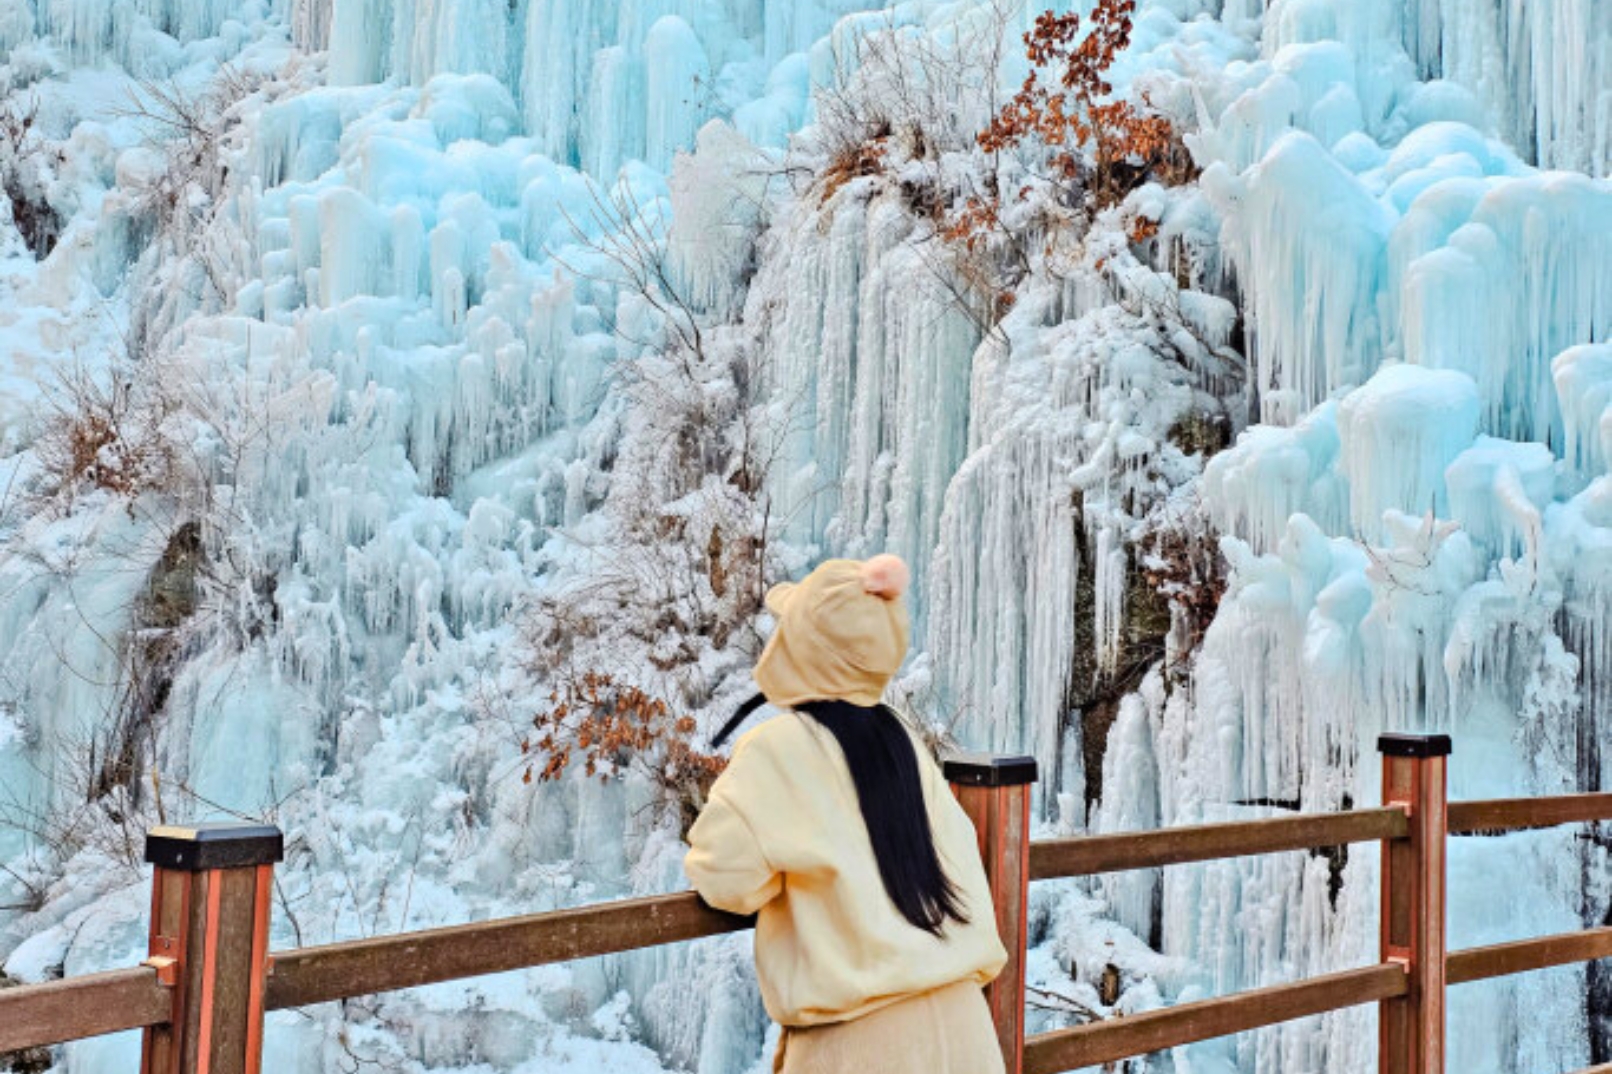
<point>1402,744</point>
<point>985,770</point>
<point>199,847</point>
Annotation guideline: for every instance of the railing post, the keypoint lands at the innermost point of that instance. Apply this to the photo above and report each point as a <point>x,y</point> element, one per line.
<point>995,793</point>
<point>1411,1028</point>
<point>210,942</point>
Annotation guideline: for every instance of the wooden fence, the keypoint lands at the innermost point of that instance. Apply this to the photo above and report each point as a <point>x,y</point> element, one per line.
<point>201,995</point>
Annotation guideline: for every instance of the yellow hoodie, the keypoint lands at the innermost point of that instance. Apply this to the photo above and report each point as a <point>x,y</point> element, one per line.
<point>782,835</point>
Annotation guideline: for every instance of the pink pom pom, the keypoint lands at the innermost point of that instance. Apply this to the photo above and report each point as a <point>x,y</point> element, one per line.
<point>885,576</point>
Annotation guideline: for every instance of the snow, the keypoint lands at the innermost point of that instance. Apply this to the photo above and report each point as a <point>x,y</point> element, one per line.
<point>421,405</point>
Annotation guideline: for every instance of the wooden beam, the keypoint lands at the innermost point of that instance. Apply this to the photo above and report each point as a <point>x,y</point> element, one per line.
<point>1513,814</point>
<point>1141,1034</point>
<point>1524,956</point>
<point>1090,854</point>
<point>364,967</point>
<point>32,1016</point>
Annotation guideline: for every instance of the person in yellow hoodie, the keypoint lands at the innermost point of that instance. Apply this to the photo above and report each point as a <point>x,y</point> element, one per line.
<point>875,929</point>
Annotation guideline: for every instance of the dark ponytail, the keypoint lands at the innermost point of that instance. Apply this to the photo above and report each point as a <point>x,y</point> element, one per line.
<point>889,790</point>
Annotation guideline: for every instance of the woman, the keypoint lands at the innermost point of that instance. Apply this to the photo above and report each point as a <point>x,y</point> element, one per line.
<point>875,928</point>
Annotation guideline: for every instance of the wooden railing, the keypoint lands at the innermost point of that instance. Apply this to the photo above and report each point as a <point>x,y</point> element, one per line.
<point>1408,983</point>
<point>201,996</point>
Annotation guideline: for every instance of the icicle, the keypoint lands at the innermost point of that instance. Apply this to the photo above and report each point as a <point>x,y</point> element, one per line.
<point>352,247</point>
<point>1583,377</point>
<point>1273,473</point>
<point>1508,281</point>
<point>1108,558</point>
<point>408,242</point>
<point>1396,435</point>
<point>17,24</point>
<point>358,35</point>
<point>1543,70</point>
<point>1308,241</point>
<point>1130,803</point>
<point>1497,491</point>
<point>561,39</point>
<point>677,76</point>
<point>447,272</point>
<point>615,127</point>
<point>310,24</point>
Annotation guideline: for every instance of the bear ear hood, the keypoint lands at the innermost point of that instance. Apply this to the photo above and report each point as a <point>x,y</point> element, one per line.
<point>842,633</point>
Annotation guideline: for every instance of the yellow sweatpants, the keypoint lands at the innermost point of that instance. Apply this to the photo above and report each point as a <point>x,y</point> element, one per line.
<point>947,1031</point>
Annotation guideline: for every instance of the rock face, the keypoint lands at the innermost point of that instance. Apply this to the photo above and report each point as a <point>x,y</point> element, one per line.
<point>489,344</point>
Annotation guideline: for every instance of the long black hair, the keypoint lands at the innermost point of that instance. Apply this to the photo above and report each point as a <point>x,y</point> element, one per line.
<point>890,792</point>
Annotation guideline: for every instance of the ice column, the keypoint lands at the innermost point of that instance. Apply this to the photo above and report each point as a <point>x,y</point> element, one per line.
<point>677,83</point>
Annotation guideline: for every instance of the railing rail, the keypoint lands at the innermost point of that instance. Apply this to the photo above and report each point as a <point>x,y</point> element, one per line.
<point>1525,956</point>
<point>1170,1027</point>
<point>1089,855</point>
<point>362,967</point>
<point>202,995</point>
<point>1516,814</point>
<point>77,1007</point>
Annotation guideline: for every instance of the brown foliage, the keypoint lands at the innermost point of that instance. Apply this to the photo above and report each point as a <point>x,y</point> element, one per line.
<point>853,161</point>
<point>108,437</point>
<point>1141,228</point>
<point>969,227</point>
<point>1065,105</point>
<point>606,726</point>
<point>988,259</point>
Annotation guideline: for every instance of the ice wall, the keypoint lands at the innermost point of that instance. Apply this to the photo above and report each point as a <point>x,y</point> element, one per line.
<point>1412,537</point>
<point>1541,71</point>
<point>598,83</point>
<point>1074,415</point>
<point>1544,70</point>
<point>414,418</point>
<point>149,38</point>
<point>900,422</point>
<point>866,381</point>
<point>399,396</point>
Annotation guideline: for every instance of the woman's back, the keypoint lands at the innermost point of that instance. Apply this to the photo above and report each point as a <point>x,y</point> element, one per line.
<point>875,927</point>
<point>784,835</point>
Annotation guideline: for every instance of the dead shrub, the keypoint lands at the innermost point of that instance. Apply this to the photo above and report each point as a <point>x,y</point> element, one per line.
<point>853,160</point>
<point>1097,149</point>
<point>609,726</point>
<point>190,130</point>
<point>111,436</point>
<point>1077,112</point>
